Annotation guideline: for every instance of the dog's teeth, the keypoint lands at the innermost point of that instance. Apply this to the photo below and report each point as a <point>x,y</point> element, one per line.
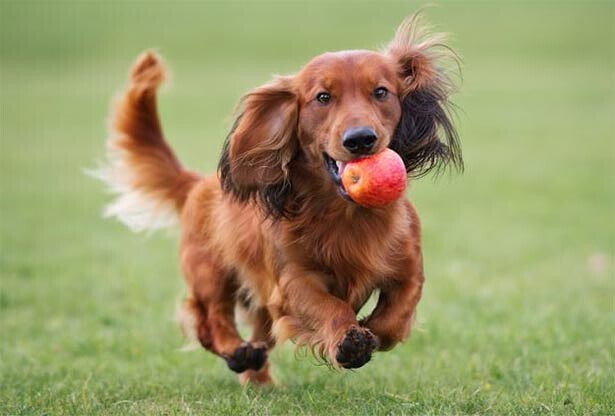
<point>340,167</point>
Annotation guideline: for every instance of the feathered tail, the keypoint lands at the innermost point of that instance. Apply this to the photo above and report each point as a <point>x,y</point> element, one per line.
<point>150,183</point>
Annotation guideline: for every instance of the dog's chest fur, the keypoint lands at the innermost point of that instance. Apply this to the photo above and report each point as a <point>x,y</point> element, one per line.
<point>355,252</point>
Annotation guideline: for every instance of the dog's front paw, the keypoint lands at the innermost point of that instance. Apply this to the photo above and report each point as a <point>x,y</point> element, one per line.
<point>247,357</point>
<point>356,348</point>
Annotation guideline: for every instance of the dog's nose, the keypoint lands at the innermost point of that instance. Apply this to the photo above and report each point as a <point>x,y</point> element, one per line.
<point>359,140</point>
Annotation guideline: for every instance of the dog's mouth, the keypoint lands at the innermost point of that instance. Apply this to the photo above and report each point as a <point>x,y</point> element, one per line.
<point>335,169</point>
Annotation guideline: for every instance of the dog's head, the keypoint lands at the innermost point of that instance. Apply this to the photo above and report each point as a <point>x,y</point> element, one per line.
<point>341,106</point>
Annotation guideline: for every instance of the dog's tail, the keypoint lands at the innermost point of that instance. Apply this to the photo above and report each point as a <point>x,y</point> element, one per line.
<point>150,183</point>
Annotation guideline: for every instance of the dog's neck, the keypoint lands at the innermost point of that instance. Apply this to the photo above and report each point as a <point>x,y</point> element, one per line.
<point>350,242</point>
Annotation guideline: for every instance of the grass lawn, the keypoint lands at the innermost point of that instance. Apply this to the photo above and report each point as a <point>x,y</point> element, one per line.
<point>518,315</point>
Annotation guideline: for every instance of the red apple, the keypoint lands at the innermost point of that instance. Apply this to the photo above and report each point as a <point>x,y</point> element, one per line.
<point>375,180</point>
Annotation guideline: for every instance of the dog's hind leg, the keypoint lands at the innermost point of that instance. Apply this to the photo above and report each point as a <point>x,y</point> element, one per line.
<point>213,296</point>
<point>261,322</point>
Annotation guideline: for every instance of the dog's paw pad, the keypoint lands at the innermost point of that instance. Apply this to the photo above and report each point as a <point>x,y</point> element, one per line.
<point>247,357</point>
<point>356,348</point>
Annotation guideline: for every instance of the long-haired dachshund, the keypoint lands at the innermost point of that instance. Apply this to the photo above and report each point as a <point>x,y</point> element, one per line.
<point>274,232</point>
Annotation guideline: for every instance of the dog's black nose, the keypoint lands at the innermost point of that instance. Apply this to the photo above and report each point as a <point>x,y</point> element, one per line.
<point>359,140</point>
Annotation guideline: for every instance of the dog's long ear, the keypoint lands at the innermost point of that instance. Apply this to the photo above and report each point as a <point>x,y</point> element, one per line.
<point>425,137</point>
<point>256,158</point>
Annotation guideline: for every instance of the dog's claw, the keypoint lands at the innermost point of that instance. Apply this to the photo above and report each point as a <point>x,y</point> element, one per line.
<point>247,357</point>
<point>356,348</point>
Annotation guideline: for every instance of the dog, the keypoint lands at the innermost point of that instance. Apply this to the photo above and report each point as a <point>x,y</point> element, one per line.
<point>273,232</point>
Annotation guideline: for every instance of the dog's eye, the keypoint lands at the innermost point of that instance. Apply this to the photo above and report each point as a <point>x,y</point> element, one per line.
<point>381,93</point>
<point>323,98</point>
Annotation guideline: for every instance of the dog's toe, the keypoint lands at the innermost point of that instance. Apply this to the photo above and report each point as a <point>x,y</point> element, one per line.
<point>356,348</point>
<point>247,357</point>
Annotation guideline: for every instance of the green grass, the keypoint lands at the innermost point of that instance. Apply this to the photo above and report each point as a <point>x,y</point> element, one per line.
<point>518,313</point>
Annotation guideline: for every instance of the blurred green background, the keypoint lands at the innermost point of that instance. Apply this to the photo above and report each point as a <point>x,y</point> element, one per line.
<point>518,314</point>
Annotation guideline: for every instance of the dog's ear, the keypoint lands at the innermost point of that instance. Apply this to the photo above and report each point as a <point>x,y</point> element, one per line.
<point>256,158</point>
<point>425,137</point>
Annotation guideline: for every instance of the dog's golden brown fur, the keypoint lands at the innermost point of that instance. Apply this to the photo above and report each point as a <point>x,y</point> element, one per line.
<point>270,232</point>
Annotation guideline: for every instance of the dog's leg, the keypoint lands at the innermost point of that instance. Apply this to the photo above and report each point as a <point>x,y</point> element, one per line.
<point>214,295</point>
<point>261,333</point>
<point>331,323</point>
<point>395,311</point>
<point>394,314</point>
<point>260,319</point>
